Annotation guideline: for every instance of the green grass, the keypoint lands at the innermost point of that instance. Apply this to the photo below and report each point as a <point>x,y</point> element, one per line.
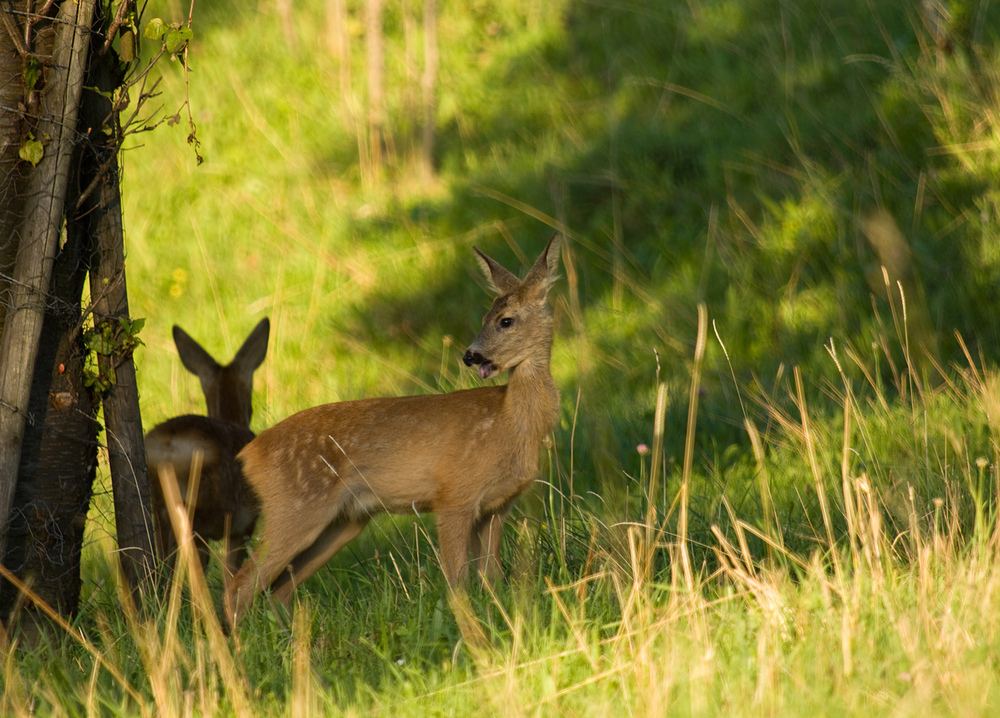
<point>897,616</point>
<point>765,159</point>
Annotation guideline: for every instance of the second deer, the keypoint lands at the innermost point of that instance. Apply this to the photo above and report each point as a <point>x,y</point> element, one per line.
<point>467,455</point>
<point>225,507</point>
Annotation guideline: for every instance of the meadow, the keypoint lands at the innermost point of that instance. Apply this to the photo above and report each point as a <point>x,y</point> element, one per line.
<point>773,488</point>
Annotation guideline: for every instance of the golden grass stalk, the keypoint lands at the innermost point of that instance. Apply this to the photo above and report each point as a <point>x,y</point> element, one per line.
<point>304,694</point>
<point>76,635</point>
<point>652,535</point>
<point>692,422</point>
<point>810,443</point>
<point>201,599</point>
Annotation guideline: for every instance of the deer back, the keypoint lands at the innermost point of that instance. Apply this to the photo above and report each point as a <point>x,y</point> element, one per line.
<point>221,488</point>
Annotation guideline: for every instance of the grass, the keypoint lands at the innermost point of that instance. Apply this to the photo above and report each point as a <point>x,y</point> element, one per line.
<point>896,615</point>
<point>809,188</point>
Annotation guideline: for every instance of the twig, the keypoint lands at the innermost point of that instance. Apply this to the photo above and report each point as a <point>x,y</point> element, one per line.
<point>118,278</point>
<point>115,25</point>
<point>122,131</point>
<point>12,31</point>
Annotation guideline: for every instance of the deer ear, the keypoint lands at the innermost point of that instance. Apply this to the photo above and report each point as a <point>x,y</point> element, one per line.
<point>194,358</point>
<point>545,271</point>
<point>503,281</point>
<point>251,355</point>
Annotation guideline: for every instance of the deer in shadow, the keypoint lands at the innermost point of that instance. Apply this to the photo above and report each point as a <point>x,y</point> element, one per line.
<point>224,506</point>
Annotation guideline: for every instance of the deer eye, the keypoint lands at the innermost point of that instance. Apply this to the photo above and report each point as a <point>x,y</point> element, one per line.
<point>506,322</point>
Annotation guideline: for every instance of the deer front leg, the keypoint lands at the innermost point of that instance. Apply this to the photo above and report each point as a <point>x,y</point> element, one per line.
<point>486,537</point>
<point>454,537</point>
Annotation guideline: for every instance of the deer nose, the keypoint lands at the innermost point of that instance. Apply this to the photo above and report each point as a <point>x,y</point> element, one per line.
<point>471,358</point>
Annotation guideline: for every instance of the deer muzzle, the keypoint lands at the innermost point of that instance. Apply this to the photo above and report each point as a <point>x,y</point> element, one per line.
<point>486,367</point>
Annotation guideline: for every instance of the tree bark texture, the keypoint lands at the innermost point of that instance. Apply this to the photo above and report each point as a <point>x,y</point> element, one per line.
<point>12,131</point>
<point>38,240</point>
<point>58,454</point>
<point>102,217</point>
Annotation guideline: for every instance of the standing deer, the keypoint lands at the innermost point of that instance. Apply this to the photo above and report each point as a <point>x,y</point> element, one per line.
<point>225,506</point>
<point>323,473</point>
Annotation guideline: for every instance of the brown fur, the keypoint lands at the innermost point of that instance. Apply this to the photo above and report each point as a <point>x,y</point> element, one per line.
<point>323,473</point>
<point>225,507</point>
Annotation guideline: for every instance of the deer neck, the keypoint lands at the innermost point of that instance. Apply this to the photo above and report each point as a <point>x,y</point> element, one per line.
<point>532,398</point>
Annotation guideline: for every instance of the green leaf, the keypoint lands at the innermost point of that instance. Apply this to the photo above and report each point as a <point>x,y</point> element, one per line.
<point>100,343</point>
<point>155,29</point>
<point>31,151</point>
<point>127,46</point>
<point>177,36</point>
<point>32,71</point>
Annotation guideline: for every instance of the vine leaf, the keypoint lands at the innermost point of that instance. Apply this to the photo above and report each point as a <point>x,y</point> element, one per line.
<point>32,72</point>
<point>31,151</point>
<point>155,29</point>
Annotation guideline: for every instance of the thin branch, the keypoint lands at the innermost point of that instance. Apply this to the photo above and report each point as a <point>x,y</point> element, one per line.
<point>122,131</point>
<point>115,25</point>
<point>12,31</point>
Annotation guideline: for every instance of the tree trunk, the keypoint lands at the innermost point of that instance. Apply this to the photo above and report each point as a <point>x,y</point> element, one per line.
<point>39,240</point>
<point>102,216</point>
<point>12,127</point>
<point>59,452</point>
<point>49,448</point>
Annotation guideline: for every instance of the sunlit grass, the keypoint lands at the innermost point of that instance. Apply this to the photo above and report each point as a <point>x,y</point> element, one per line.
<point>896,616</point>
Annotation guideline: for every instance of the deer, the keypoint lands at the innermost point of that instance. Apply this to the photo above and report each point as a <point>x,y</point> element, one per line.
<point>466,456</point>
<point>224,506</point>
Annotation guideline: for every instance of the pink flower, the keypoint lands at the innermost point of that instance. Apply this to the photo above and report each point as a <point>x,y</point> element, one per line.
<point>642,449</point>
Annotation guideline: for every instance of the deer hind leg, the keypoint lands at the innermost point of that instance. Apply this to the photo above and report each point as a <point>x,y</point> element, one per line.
<point>287,533</point>
<point>486,535</point>
<point>334,537</point>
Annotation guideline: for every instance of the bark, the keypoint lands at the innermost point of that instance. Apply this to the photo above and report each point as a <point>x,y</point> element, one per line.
<point>59,452</point>
<point>102,215</point>
<point>12,127</point>
<point>38,241</point>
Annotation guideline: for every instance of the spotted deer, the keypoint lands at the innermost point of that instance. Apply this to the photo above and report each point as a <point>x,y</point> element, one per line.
<point>225,507</point>
<point>321,474</point>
